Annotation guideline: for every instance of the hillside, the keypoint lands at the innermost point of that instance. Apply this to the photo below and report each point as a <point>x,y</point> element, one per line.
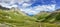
<point>15,18</point>
<point>11,18</point>
<point>48,16</point>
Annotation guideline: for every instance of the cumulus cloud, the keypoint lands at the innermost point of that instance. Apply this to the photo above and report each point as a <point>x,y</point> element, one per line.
<point>37,9</point>
<point>13,3</point>
<point>23,4</point>
<point>7,3</point>
<point>45,7</point>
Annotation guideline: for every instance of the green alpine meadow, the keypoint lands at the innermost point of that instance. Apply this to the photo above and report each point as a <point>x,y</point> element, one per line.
<point>16,18</point>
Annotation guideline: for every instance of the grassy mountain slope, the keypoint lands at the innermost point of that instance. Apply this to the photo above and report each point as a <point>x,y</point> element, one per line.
<point>53,17</point>
<point>48,16</point>
<point>15,18</point>
<point>19,19</point>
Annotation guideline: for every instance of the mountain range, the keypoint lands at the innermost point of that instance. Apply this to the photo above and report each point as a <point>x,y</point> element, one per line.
<point>16,18</point>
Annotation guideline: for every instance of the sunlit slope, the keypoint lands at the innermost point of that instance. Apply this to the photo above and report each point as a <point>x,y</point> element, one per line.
<point>53,17</point>
<point>48,16</point>
<point>18,19</point>
<point>15,18</point>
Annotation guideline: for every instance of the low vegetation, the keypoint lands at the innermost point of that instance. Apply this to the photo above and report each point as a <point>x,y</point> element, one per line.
<point>18,19</point>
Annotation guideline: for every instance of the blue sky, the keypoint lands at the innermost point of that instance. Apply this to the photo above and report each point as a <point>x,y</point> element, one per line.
<point>32,7</point>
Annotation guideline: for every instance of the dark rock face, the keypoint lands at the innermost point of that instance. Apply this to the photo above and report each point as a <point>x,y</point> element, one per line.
<point>3,8</point>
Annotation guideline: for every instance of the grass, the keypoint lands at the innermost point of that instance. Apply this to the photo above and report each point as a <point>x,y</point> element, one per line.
<point>19,19</point>
<point>15,18</point>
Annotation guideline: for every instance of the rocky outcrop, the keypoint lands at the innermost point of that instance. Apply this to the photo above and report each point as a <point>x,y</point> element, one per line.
<point>3,8</point>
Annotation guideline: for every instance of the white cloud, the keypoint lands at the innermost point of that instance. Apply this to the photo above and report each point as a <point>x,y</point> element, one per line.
<point>45,7</point>
<point>11,3</point>
<point>37,9</point>
<point>27,0</point>
<point>27,3</point>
